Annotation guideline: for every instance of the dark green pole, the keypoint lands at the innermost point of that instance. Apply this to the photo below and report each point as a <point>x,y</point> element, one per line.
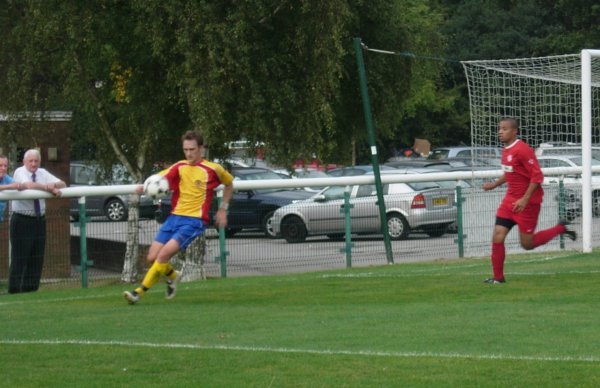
<point>371,132</point>
<point>223,253</point>
<point>347,227</point>
<point>562,214</point>
<point>83,262</point>
<point>459,222</point>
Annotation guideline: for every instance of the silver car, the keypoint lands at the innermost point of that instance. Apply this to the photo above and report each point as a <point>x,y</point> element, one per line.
<point>419,206</point>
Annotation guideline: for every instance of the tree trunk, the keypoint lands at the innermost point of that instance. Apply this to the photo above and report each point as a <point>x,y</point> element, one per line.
<point>130,263</point>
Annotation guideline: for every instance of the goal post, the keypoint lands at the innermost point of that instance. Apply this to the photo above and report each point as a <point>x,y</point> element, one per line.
<point>588,81</point>
<point>556,100</point>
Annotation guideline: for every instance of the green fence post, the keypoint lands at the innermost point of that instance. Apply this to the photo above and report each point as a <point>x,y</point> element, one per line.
<point>223,253</point>
<point>347,227</point>
<point>561,208</point>
<point>459,222</point>
<point>84,262</point>
<point>362,77</point>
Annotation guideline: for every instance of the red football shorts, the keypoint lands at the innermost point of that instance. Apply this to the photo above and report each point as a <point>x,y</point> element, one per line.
<point>527,219</point>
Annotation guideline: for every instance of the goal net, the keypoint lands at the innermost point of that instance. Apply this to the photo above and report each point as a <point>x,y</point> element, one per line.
<point>544,94</point>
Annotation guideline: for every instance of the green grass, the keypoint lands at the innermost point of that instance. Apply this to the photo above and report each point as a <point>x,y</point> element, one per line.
<point>425,324</point>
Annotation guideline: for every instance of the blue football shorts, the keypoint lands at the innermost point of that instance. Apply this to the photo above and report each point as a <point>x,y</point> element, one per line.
<point>181,229</point>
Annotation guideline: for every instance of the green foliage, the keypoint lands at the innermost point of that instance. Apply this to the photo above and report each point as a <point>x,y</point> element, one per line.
<point>138,73</point>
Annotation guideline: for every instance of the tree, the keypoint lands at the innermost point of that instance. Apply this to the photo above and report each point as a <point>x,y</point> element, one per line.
<point>284,73</point>
<point>136,73</point>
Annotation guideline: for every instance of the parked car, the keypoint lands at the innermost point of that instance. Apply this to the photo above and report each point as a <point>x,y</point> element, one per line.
<point>302,173</point>
<point>249,209</point>
<point>113,207</point>
<point>465,152</point>
<point>356,170</point>
<point>575,179</point>
<point>563,148</point>
<point>410,207</point>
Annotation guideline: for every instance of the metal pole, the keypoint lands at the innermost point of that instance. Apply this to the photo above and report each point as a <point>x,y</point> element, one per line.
<point>562,214</point>
<point>223,253</point>
<point>371,132</point>
<point>459,222</point>
<point>586,149</point>
<point>83,261</point>
<point>347,226</point>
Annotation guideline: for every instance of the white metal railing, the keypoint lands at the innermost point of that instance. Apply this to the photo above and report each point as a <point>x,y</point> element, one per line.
<point>239,185</point>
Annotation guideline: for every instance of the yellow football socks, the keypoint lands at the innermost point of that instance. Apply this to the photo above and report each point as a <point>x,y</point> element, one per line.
<point>153,275</point>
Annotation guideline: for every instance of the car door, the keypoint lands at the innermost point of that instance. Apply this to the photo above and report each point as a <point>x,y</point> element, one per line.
<point>365,210</point>
<point>325,215</point>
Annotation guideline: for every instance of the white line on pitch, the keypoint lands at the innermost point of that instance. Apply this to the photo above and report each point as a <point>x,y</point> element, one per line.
<point>333,352</point>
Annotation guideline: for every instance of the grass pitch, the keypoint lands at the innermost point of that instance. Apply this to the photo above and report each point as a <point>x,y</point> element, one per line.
<point>423,324</point>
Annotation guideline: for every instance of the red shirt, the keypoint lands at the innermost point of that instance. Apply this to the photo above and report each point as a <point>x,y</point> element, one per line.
<point>520,168</point>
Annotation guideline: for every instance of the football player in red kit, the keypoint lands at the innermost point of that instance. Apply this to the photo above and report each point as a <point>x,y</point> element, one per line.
<point>523,199</point>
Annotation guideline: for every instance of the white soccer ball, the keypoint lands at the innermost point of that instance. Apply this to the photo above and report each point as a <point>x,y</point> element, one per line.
<point>156,187</point>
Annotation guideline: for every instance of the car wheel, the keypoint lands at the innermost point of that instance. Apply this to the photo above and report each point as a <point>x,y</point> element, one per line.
<point>293,229</point>
<point>267,225</point>
<point>436,230</point>
<point>115,210</point>
<point>398,228</point>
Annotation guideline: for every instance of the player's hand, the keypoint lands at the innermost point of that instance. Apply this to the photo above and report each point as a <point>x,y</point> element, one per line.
<point>519,205</point>
<point>221,218</point>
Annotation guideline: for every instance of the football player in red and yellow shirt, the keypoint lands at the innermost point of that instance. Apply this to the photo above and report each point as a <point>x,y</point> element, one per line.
<point>522,202</point>
<point>192,182</point>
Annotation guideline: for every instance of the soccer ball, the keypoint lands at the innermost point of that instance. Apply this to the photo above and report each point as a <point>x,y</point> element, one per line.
<point>156,187</point>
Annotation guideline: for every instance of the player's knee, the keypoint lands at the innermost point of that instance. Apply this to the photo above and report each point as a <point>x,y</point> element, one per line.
<point>527,246</point>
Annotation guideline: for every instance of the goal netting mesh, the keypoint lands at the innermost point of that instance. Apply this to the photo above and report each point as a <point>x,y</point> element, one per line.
<point>544,94</point>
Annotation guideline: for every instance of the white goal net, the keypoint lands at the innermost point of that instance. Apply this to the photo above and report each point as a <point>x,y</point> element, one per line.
<point>544,94</point>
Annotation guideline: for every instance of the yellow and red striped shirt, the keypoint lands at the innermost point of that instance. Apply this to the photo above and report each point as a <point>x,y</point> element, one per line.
<point>193,185</point>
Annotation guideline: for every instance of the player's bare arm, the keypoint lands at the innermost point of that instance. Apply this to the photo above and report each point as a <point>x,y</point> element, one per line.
<point>492,185</point>
<point>221,216</point>
<point>522,202</point>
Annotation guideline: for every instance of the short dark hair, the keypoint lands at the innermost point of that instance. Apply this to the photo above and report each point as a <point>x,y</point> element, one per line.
<point>193,135</point>
<point>513,122</point>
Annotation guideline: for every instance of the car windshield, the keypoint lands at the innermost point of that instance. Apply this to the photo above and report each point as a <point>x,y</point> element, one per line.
<point>420,186</point>
<point>439,153</point>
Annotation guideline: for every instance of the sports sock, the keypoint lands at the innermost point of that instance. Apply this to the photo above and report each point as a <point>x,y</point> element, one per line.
<point>543,236</point>
<point>498,255</point>
<point>156,270</point>
<point>170,273</point>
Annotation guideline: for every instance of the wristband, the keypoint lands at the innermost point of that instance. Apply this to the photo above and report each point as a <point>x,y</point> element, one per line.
<point>224,206</point>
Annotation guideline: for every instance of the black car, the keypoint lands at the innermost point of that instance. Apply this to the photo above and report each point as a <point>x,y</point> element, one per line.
<point>113,207</point>
<point>249,209</point>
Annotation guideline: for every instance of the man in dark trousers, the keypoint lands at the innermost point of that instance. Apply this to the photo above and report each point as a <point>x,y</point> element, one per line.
<point>28,224</point>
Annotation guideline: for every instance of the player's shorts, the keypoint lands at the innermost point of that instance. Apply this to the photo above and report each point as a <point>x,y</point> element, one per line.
<point>181,229</point>
<point>527,219</point>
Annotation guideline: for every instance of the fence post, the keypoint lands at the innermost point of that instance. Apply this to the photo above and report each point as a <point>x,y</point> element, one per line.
<point>459,222</point>
<point>561,207</point>
<point>84,262</point>
<point>347,227</point>
<point>222,258</point>
<point>362,77</point>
